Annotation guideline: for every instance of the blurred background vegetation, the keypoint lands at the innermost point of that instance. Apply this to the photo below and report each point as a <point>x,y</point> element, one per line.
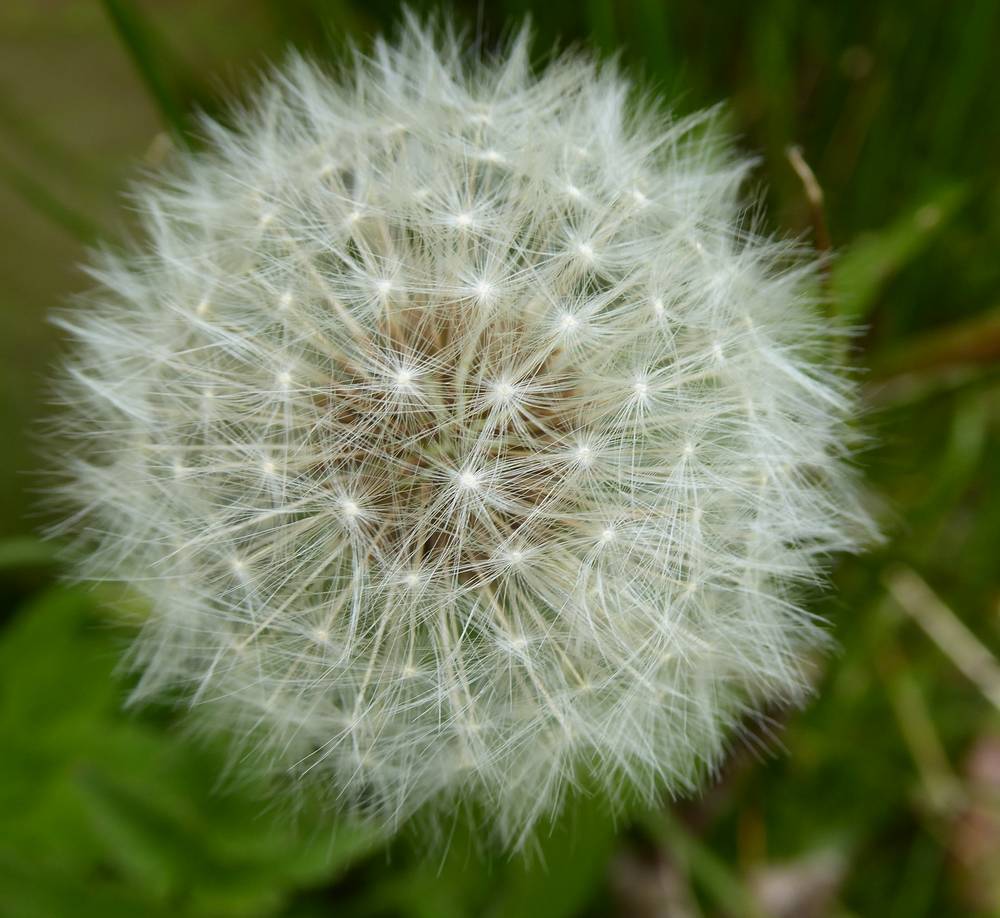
<point>882,798</point>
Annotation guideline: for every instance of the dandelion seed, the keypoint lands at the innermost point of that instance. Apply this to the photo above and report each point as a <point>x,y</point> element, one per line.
<point>468,481</point>
<point>504,392</point>
<point>484,292</point>
<point>568,322</point>
<point>404,379</point>
<point>418,602</point>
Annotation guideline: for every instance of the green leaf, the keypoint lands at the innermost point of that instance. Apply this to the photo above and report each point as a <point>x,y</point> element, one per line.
<point>565,869</point>
<point>26,893</point>
<point>26,551</point>
<point>91,795</point>
<point>860,274</point>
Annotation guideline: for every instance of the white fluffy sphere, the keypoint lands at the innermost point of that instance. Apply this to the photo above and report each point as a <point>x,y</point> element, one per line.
<point>465,438</point>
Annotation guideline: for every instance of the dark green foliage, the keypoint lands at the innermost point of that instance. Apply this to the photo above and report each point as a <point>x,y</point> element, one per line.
<point>94,800</point>
<point>868,792</point>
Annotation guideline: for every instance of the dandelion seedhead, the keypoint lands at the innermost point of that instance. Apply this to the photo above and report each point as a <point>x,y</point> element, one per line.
<point>464,436</point>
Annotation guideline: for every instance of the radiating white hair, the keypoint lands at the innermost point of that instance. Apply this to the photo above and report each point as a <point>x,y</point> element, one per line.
<point>464,436</point>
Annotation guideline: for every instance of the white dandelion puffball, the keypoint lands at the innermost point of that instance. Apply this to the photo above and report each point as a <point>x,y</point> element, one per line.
<point>463,435</point>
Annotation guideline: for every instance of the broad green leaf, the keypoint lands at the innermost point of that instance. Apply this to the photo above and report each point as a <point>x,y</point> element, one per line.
<point>26,892</point>
<point>565,870</point>
<point>90,794</point>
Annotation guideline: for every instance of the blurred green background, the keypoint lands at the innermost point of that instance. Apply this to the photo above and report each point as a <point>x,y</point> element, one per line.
<point>882,798</point>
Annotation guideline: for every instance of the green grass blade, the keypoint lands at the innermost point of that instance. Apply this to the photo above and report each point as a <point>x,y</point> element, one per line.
<point>860,274</point>
<point>139,40</point>
<point>717,879</point>
<point>26,133</point>
<point>39,198</point>
<point>601,20</point>
<point>655,42</point>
